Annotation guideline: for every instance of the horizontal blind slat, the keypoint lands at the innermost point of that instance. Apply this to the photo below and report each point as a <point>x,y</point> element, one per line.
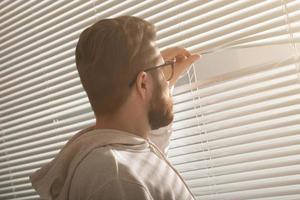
<point>235,22</point>
<point>233,160</point>
<point>255,193</point>
<point>16,136</point>
<point>22,107</point>
<point>14,7</point>
<point>241,152</point>
<point>229,180</point>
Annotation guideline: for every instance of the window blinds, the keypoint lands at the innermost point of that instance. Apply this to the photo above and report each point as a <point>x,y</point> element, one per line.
<point>234,136</point>
<point>239,139</point>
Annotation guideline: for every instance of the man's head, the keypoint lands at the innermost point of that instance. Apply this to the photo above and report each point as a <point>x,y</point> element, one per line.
<point>113,52</point>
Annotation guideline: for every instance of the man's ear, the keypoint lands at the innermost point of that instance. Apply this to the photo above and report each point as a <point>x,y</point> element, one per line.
<point>143,82</point>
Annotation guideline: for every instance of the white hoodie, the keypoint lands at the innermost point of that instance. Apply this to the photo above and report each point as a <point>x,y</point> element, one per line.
<point>110,164</point>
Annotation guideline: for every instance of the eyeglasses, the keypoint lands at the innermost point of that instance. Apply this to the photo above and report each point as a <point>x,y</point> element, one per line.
<point>167,69</point>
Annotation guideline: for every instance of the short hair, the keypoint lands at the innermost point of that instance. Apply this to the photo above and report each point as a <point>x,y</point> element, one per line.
<point>109,54</point>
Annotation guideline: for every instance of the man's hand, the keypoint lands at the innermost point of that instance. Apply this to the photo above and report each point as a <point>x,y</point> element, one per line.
<point>184,59</point>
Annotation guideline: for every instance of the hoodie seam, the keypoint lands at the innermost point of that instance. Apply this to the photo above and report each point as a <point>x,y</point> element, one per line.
<point>115,161</point>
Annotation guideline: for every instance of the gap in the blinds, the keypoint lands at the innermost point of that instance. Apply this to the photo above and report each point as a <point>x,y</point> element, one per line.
<point>227,61</point>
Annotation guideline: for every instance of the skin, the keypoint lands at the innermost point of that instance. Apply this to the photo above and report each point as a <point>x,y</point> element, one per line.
<point>132,117</point>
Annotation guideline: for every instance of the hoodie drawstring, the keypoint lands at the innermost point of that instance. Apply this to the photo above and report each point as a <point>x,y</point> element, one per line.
<point>161,155</point>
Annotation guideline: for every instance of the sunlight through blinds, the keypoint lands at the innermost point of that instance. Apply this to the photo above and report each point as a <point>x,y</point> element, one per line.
<point>239,138</point>
<point>234,137</point>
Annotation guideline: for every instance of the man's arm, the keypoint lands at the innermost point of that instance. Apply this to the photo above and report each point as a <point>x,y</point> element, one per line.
<point>184,59</point>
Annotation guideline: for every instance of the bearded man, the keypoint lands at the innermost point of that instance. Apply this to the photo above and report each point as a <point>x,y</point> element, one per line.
<point>128,82</point>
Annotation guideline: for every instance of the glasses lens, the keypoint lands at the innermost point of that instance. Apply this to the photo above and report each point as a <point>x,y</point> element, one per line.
<point>168,71</point>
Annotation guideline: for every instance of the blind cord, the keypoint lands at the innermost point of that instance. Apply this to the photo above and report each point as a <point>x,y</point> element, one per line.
<point>291,37</point>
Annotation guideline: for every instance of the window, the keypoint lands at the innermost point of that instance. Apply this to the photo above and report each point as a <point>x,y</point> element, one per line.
<point>236,131</point>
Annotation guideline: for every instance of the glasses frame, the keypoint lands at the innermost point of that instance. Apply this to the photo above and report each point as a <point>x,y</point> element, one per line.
<point>167,63</point>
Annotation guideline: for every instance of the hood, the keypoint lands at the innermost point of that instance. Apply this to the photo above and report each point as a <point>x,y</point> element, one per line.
<point>52,181</point>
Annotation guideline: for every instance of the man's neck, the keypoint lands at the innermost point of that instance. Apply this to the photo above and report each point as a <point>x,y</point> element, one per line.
<point>130,124</point>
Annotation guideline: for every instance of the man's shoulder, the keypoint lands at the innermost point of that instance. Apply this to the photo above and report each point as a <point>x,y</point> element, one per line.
<point>120,188</point>
<point>100,160</point>
<point>96,170</point>
<point>102,163</point>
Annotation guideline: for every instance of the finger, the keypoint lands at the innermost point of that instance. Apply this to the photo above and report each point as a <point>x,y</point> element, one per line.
<point>190,60</point>
<point>184,52</point>
<point>175,51</point>
<point>180,58</point>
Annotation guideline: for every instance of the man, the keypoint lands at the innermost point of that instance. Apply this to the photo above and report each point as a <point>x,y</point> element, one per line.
<point>127,80</point>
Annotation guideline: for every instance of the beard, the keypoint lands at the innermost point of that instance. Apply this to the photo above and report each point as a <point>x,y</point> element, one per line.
<point>160,112</point>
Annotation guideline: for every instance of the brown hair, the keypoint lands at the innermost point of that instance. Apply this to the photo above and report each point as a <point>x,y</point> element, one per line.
<point>109,54</point>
